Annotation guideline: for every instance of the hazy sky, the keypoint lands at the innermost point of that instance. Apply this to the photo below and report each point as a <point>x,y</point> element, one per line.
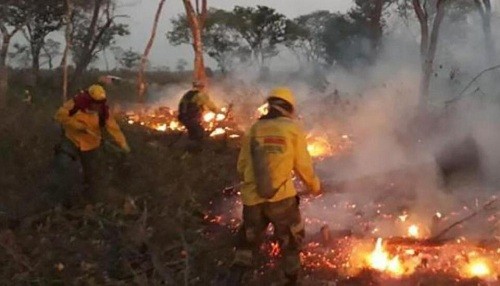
<point>142,12</point>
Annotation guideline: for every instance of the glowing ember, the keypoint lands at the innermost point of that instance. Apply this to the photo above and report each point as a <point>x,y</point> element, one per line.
<point>275,249</point>
<point>414,231</point>
<point>130,122</point>
<point>318,146</point>
<point>403,217</point>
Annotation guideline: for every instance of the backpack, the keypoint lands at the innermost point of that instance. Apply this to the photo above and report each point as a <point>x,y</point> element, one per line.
<point>189,110</point>
<point>82,101</point>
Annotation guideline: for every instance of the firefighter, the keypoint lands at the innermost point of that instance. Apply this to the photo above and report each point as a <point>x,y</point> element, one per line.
<point>191,108</point>
<point>82,119</point>
<point>274,147</point>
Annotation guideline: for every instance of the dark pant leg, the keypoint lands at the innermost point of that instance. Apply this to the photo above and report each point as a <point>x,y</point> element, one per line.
<point>90,169</point>
<point>250,235</point>
<point>289,229</point>
<point>195,130</point>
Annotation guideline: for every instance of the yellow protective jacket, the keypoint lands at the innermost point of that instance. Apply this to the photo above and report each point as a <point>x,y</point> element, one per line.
<point>83,128</point>
<point>289,153</point>
<point>202,99</point>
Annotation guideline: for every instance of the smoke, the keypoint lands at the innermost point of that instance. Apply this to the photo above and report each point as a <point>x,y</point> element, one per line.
<point>399,163</point>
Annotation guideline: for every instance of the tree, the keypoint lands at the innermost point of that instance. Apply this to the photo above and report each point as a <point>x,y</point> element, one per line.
<point>196,20</point>
<point>346,41</point>
<point>262,28</point>
<point>129,59</point>
<point>484,9</point>
<point>428,46</point>
<point>47,18</point>
<point>369,13</point>
<point>304,36</point>
<point>50,50</point>
<point>181,65</point>
<point>94,29</point>
<point>14,14</point>
<point>141,86</point>
<point>68,38</point>
<point>220,41</point>
<point>21,54</point>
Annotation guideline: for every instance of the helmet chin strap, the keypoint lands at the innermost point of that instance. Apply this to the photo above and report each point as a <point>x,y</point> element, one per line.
<point>285,112</point>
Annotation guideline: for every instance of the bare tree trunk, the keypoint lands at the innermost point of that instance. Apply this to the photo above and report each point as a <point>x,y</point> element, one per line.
<point>67,36</point>
<point>484,9</point>
<point>431,54</point>
<point>196,23</point>
<point>4,74</point>
<point>376,25</point>
<point>428,46</point>
<point>424,27</point>
<point>86,57</point>
<point>141,84</point>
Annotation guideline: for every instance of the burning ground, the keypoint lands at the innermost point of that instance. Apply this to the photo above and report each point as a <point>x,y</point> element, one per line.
<point>392,225</point>
<point>170,217</point>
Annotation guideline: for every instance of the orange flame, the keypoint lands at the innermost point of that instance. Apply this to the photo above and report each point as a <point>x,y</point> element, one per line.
<point>318,146</point>
<point>380,260</point>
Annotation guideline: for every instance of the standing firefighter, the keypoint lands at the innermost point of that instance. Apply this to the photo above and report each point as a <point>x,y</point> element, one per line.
<point>274,147</point>
<point>191,108</point>
<point>82,119</point>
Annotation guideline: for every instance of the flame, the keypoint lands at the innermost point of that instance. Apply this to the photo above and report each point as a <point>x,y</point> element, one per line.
<point>263,109</point>
<point>403,217</point>
<point>209,116</point>
<point>318,146</point>
<point>161,127</point>
<point>414,231</point>
<point>380,260</point>
<point>478,268</point>
<point>220,117</point>
<point>218,131</point>
<point>174,125</point>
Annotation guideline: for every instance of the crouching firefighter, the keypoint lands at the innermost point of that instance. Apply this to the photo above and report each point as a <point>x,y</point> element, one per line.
<point>274,147</point>
<point>191,108</point>
<point>82,119</point>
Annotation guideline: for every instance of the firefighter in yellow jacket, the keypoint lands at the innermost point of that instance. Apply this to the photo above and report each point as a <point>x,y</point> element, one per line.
<point>191,108</point>
<point>274,147</point>
<point>82,119</point>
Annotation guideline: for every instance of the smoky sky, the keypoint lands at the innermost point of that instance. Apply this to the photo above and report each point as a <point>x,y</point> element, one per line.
<point>141,14</point>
